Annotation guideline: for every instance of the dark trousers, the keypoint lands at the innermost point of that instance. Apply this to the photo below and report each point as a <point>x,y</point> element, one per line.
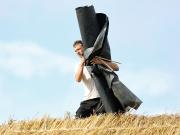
<point>90,107</point>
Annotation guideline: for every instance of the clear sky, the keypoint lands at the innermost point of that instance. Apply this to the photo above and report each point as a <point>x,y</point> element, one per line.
<point>37,59</point>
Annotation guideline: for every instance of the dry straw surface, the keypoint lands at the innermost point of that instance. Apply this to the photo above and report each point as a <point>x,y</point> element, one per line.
<point>108,124</point>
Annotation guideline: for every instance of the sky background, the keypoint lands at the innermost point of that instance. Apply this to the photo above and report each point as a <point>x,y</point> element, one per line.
<point>37,59</point>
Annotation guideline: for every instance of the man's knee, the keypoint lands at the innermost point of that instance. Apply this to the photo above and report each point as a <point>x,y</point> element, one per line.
<point>82,113</point>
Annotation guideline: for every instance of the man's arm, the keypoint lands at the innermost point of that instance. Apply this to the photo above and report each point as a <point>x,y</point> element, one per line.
<point>79,72</point>
<point>114,66</point>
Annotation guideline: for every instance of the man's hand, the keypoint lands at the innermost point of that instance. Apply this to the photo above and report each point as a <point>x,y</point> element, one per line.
<point>82,61</point>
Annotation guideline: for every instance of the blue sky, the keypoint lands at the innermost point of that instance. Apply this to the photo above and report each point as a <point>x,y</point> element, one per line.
<point>37,59</point>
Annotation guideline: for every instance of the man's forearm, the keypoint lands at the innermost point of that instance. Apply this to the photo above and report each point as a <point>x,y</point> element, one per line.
<point>79,73</point>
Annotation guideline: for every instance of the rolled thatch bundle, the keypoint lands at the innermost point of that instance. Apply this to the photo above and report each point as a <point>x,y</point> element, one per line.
<point>93,26</point>
<point>94,29</point>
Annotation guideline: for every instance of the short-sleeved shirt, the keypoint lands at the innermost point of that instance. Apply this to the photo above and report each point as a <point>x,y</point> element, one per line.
<point>89,85</point>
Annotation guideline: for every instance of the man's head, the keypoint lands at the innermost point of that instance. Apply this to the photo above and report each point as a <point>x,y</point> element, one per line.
<point>79,48</point>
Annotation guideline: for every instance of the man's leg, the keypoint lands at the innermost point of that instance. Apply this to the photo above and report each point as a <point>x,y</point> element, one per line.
<point>84,110</point>
<point>99,107</point>
<point>90,107</point>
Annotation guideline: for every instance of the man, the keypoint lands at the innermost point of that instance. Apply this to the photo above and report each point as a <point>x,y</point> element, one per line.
<point>92,103</point>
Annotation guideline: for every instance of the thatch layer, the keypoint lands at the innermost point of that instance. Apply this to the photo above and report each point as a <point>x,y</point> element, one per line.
<point>108,124</point>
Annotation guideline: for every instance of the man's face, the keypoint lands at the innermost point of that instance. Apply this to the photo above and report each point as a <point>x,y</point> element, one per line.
<point>79,49</point>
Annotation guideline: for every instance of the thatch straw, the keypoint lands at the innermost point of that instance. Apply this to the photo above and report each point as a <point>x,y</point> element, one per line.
<point>108,124</point>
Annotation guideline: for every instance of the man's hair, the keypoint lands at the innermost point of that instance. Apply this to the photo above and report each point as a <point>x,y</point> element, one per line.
<point>77,42</point>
